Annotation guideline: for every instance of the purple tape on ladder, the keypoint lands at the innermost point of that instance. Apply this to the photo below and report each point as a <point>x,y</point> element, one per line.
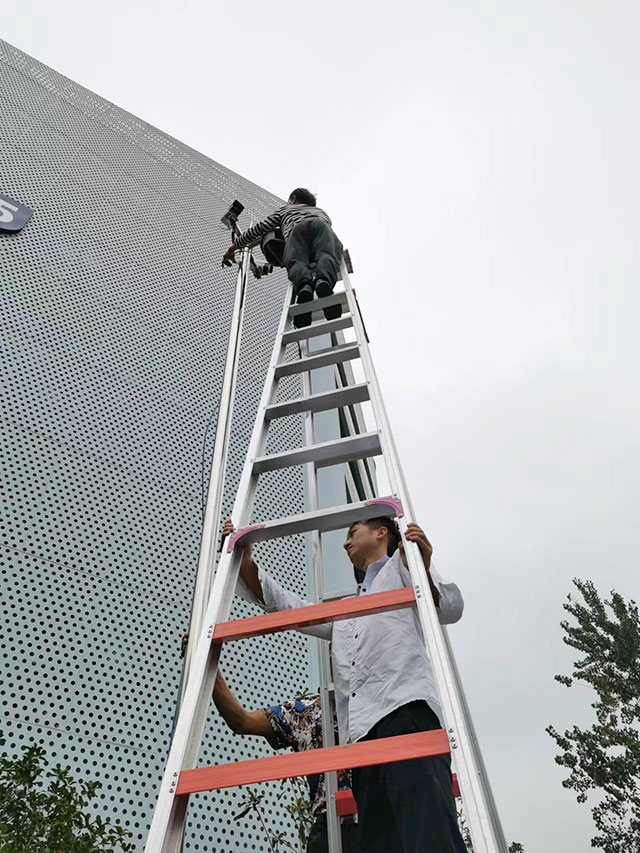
<point>240,534</point>
<point>391,503</point>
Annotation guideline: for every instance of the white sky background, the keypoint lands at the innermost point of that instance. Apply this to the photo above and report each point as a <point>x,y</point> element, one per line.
<point>480,162</point>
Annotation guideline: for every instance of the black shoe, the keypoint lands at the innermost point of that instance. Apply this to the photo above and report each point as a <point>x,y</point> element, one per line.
<point>305,294</point>
<point>323,288</point>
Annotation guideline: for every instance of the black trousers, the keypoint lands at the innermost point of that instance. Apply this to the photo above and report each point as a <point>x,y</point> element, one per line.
<point>312,251</point>
<point>319,838</point>
<point>407,806</point>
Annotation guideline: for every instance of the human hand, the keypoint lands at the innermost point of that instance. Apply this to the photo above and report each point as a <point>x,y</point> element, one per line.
<point>416,534</point>
<point>229,257</point>
<point>227,530</point>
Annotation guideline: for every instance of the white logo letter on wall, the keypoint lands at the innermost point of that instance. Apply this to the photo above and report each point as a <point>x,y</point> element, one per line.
<point>13,215</point>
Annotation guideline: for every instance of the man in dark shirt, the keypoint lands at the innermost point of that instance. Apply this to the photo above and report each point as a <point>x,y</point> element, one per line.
<point>312,252</point>
<point>296,724</point>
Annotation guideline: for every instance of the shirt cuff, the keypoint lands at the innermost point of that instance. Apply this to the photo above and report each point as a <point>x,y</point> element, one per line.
<point>276,740</point>
<point>266,582</point>
<point>270,589</point>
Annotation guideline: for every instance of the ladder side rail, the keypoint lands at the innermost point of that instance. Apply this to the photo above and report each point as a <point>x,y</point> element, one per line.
<point>354,419</point>
<point>169,818</point>
<point>480,810</point>
<point>356,425</point>
<point>326,704</point>
<point>356,414</point>
<point>248,484</point>
<point>352,489</point>
<point>359,422</point>
<point>207,556</point>
<point>328,739</point>
<point>494,814</point>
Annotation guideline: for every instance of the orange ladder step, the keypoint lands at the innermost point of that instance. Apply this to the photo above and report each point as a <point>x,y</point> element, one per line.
<point>314,614</point>
<point>362,754</point>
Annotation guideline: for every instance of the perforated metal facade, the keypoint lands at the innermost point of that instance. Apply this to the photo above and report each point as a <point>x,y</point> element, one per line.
<point>116,316</point>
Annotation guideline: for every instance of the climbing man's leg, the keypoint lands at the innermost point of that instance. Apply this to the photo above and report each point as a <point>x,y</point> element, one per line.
<point>326,252</point>
<point>297,259</point>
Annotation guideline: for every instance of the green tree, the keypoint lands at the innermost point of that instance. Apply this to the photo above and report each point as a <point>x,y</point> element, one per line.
<point>605,758</point>
<point>44,811</point>
<point>299,810</point>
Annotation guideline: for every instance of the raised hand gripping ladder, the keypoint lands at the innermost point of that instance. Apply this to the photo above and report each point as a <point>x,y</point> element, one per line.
<point>181,776</point>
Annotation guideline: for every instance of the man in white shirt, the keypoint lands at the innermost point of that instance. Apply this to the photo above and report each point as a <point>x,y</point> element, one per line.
<point>384,686</point>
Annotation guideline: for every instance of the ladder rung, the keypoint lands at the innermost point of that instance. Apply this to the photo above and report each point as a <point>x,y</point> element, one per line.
<point>334,355</point>
<point>320,402</point>
<point>314,614</point>
<point>316,329</point>
<point>322,520</point>
<point>365,753</point>
<point>322,455</point>
<point>339,298</point>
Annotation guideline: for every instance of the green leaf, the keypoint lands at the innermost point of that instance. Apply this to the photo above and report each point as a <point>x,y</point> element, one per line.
<point>604,759</point>
<point>243,813</point>
<point>42,811</point>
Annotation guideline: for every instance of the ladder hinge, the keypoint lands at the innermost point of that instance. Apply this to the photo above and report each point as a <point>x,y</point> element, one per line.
<point>240,534</point>
<point>391,502</point>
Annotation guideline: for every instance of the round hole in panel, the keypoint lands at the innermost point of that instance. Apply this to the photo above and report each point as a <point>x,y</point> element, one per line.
<point>117,314</point>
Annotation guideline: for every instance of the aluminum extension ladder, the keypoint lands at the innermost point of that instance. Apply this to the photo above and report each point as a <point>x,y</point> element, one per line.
<point>182,777</point>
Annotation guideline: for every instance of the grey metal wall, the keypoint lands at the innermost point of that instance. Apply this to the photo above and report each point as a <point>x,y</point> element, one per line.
<point>115,321</point>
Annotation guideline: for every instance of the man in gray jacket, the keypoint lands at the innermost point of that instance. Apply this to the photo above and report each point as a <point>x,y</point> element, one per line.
<point>384,686</point>
<point>312,252</point>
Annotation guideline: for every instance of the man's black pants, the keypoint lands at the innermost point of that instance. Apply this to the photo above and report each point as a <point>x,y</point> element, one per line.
<point>312,251</point>
<point>407,806</point>
<point>319,838</point>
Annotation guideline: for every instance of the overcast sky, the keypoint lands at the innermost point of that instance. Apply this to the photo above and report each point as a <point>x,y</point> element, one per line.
<point>479,159</point>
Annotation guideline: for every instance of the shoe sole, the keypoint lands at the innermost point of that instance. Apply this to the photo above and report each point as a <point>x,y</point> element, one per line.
<point>304,296</point>
<point>301,320</point>
<point>333,312</point>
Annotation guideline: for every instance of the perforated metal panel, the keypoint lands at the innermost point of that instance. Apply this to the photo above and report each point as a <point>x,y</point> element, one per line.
<point>116,316</point>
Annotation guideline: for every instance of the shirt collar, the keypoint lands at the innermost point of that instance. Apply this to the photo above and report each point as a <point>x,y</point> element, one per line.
<point>371,572</point>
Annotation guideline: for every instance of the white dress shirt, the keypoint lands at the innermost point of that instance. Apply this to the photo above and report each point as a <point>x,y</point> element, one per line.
<point>379,661</point>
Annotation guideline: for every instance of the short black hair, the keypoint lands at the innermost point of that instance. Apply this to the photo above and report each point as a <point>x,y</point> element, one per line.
<point>303,196</point>
<point>390,525</point>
